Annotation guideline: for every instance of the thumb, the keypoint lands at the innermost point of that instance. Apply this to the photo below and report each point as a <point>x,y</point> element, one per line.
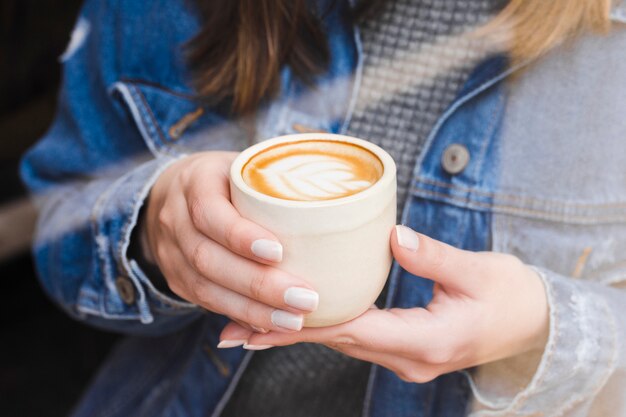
<point>432,259</point>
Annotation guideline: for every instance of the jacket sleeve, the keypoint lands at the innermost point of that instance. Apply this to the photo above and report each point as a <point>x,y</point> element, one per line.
<point>89,176</point>
<point>581,370</point>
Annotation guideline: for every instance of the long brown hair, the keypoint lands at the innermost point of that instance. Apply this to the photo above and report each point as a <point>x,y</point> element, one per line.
<point>238,53</point>
<point>243,44</point>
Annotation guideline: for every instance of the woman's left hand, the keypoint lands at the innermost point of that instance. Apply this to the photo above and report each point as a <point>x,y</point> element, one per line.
<point>486,306</point>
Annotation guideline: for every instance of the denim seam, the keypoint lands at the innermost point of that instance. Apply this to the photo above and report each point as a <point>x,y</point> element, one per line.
<point>458,104</point>
<point>152,119</point>
<point>127,228</point>
<point>169,302</point>
<point>512,197</point>
<point>147,83</point>
<point>233,384</point>
<point>135,112</point>
<point>490,131</point>
<point>106,315</point>
<point>533,213</point>
<point>102,245</point>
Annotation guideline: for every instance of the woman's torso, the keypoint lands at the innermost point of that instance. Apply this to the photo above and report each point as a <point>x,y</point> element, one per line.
<point>545,181</point>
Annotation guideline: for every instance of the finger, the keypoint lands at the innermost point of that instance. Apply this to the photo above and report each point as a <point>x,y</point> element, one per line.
<point>263,283</point>
<point>406,369</point>
<point>221,300</point>
<point>214,215</point>
<point>234,334</point>
<point>432,259</point>
<point>242,324</point>
<point>376,330</point>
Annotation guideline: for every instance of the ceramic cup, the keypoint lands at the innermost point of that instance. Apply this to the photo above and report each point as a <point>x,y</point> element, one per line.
<point>340,246</point>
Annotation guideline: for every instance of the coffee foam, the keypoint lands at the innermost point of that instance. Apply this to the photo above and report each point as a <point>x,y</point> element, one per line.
<point>312,170</point>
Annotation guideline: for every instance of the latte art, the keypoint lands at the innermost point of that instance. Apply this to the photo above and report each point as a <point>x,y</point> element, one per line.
<point>312,170</point>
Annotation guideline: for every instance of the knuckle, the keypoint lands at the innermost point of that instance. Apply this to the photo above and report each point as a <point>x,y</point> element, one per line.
<point>165,218</point>
<point>232,236</point>
<point>258,283</point>
<point>200,258</point>
<point>196,210</point>
<point>203,294</point>
<point>248,312</point>
<point>187,172</point>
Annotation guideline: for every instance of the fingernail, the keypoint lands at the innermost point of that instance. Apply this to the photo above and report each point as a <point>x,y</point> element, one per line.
<point>224,344</point>
<point>267,249</point>
<point>287,320</point>
<point>256,347</point>
<point>407,238</point>
<point>258,329</point>
<point>302,298</point>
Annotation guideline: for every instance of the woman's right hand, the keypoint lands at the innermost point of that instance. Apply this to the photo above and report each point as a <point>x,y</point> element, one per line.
<point>213,257</point>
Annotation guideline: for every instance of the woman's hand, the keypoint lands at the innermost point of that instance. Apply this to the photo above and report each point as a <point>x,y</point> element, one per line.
<point>486,306</point>
<point>213,257</point>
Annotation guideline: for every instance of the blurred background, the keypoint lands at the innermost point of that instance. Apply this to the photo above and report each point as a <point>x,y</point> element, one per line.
<point>46,358</point>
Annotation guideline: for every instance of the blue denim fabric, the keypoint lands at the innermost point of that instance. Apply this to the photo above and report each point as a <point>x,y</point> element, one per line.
<point>120,124</point>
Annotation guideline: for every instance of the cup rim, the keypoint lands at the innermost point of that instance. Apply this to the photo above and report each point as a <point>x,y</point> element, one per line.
<point>389,170</point>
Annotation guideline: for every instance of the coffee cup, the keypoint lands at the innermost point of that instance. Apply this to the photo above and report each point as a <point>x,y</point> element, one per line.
<point>331,201</point>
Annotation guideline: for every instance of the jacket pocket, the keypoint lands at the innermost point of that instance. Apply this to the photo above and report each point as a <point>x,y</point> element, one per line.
<point>174,123</point>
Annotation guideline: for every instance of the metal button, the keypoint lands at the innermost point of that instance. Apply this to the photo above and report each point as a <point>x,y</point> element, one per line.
<point>455,158</point>
<point>125,289</point>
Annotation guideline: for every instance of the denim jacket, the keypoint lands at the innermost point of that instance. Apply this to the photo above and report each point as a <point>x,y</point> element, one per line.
<point>545,181</point>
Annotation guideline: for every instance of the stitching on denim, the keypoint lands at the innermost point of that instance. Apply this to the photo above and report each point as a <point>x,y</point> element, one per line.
<point>167,301</point>
<point>545,215</point>
<point>158,86</point>
<point>141,104</point>
<point>515,198</point>
<point>616,274</point>
<point>130,103</point>
<point>581,262</point>
<point>490,133</point>
<point>233,384</point>
<point>153,119</point>
<point>184,122</point>
<point>220,365</point>
<point>458,103</point>
<point>105,315</point>
<point>106,265</point>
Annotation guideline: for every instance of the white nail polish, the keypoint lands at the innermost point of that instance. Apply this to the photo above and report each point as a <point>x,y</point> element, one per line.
<point>225,344</point>
<point>267,249</point>
<point>287,320</point>
<point>407,238</point>
<point>301,298</point>
<point>257,347</point>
